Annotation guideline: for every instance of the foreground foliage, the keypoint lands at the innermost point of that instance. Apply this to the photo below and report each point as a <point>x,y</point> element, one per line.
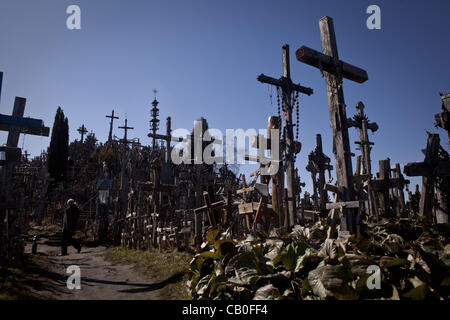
<point>413,261</point>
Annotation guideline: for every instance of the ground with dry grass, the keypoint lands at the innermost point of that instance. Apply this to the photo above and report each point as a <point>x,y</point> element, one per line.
<point>169,267</point>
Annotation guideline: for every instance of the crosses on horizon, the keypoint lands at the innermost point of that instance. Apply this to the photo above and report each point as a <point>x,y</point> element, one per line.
<point>82,130</point>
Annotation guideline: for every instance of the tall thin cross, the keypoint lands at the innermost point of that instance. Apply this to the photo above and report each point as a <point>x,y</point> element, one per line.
<point>318,162</point>
<point>335,71</point>
<point>112,117</point>
<point>82,130</point>
<point>126,128</point>
<point>361,122</point>
<point>288,88</point>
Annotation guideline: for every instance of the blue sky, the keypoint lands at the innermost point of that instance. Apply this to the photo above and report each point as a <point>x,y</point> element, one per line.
<point>203,57</point>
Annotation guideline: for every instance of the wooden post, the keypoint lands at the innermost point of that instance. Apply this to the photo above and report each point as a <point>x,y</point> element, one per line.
<point>278,178</point>
<point>335,71</point>
<point>287,87</point>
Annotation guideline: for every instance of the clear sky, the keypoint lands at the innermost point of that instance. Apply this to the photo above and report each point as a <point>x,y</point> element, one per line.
<point>203,57</point>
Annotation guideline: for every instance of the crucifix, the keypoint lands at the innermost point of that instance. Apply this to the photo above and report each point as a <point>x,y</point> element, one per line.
<point>335,71</point>
<point>288,89</point>
<point>318,163</point>
<point>430,169</point>
<point>361,122</point>
<point>112,117</point>
<point>126,128</point>
<point>82,130</point>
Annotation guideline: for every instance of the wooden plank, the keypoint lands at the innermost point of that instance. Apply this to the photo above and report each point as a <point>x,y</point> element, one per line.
<point>331,188</point>
<point>338,205</point>
<point>262,188</point>
<point>315,59</point>
<point>245,208</point>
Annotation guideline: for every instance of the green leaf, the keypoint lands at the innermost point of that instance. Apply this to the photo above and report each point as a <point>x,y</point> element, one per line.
<point>244,276</point>
<point>224,247</point>
<point>203,284</point>
<point>330,281</point>
<point>307,262</point>
<point>211,235</point>
<point>421,292</point>
<point>385,291</point>
<point>268,292</point>
<point>356,264</point>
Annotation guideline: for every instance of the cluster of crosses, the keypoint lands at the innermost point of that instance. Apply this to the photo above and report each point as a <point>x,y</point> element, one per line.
<point>175,203</point>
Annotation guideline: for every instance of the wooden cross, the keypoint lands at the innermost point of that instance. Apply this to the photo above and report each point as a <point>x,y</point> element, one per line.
<point>361,122</point>
<point>126,128</point>
<point>167,138</point>
<point>82,130</point>
<point>288,88</point>
<point>443,118</point>
<point>335,71</point>
<point>112,117</point>
<point>429,169</point>
<point>17,124</point>
<point>318,162</point>
<point>209,207</point>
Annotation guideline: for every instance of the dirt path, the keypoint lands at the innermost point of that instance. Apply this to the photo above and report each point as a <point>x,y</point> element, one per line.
<point>99,278</point>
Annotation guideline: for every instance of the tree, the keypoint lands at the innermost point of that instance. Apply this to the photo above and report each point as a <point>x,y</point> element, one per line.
<point>58,150</point>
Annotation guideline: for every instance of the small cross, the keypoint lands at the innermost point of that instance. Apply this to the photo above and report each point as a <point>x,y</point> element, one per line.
<point>82,130</point>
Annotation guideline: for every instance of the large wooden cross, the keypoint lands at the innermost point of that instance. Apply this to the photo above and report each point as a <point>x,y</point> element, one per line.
<point>335,71</point>
<point>82,130</point>
<point>112,117</point>
<point>17,124</point>
<point>429,169</point>
<point>288,88</point>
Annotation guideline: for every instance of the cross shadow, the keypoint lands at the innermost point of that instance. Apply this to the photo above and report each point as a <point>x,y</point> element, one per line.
<point>156,286</point>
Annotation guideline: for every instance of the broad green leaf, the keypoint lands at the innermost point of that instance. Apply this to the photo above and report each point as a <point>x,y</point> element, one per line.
<point>268,292</point>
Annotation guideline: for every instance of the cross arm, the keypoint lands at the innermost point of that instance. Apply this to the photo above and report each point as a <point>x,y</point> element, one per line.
<point>280,83</point>
<point>25,125</point>
<point>317,59</point>
<point>417,169</point>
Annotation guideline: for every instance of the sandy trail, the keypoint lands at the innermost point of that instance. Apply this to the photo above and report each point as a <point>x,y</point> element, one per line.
<point>100,279</point>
